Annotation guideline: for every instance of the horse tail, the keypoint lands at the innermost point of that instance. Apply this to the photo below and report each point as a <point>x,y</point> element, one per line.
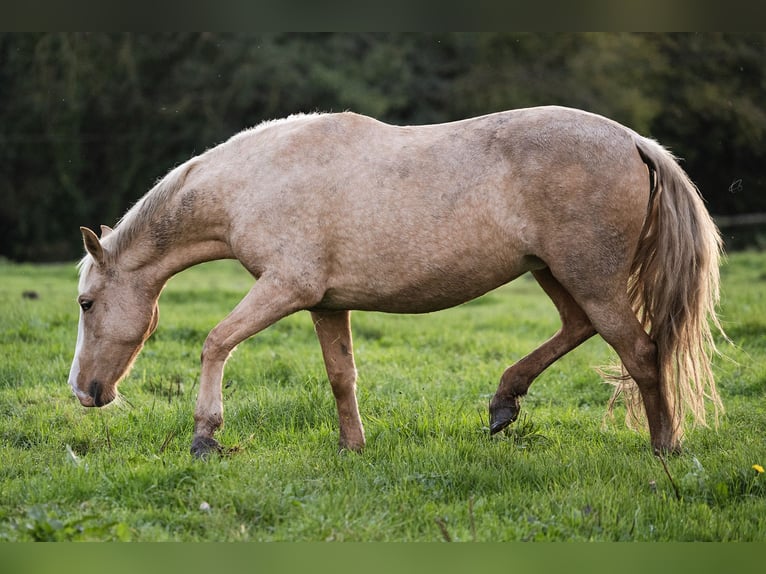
<point>674,289</point>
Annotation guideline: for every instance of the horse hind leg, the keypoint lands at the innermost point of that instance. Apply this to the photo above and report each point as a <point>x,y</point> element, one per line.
<point>515,381</point>
<point>333,329</point>
<point>618,325</point>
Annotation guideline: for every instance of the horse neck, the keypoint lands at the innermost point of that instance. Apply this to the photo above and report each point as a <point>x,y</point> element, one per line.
<point>171,240</point>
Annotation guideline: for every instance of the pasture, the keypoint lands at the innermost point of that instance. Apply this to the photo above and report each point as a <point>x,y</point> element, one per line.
<point>430,472</point>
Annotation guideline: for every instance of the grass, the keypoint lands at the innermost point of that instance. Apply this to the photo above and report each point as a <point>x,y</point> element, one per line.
<point>430,471</point>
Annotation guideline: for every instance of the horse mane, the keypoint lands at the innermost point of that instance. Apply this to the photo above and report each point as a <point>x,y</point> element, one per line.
<point>291,118</point>
<point>265,124</point>
<point>147,210</point>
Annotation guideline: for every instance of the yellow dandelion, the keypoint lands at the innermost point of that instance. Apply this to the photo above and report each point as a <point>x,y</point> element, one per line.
<point>758,468</point>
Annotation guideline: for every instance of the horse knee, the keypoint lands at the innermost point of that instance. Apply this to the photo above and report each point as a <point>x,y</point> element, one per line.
<point>214,349</point>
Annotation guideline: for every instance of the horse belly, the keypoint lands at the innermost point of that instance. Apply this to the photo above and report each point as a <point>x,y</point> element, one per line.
<point>414,287</point>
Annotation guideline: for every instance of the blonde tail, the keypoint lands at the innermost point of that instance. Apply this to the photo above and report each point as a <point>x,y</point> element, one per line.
<point>674,289</point>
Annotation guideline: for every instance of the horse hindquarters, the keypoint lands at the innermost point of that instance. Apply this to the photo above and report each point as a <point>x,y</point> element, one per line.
<point>647,280</point>
<point>672,293</point>
<point>656,306</point>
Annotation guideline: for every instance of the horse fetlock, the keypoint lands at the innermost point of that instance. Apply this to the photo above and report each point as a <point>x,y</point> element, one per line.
<point>666,447</point>
<point>349,445</point>
<point>502,412</point>
<point>206,423</point>
<point>665,441</point>
<point>353,441</point>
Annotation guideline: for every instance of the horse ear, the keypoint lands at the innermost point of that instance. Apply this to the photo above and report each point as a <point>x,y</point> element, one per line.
<point>105,230</point>
<point>92,245</point>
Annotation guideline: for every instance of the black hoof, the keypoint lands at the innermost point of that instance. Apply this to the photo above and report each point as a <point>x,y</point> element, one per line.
<point>501,416</point>
<point>203,446</point>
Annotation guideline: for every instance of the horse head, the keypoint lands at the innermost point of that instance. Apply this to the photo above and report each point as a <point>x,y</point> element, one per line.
<point>117,315</point>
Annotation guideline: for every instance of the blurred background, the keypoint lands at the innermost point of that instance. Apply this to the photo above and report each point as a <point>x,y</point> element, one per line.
<point>88,122</point>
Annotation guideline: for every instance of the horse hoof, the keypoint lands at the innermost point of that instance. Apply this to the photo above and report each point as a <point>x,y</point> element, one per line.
<point>500,417</point>
<point>350,447</point>
<point>202,446</point>
<point>668,450</point>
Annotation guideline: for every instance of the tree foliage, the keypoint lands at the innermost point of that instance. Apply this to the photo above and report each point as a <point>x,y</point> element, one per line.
<point>90,121</point>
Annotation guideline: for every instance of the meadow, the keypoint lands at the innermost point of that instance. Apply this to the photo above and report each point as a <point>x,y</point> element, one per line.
<point>430,471</point>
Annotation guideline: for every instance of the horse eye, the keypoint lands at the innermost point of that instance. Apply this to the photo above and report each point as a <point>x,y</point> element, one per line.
<point>86,304</point>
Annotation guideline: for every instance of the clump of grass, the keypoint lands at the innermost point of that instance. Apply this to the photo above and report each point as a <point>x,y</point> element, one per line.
<point>524,433</point>
<point>48,523</point>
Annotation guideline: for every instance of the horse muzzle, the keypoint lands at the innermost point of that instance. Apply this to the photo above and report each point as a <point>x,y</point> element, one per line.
<point>98,395</point>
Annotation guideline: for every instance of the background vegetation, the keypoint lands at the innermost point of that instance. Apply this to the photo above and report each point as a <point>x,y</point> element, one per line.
<point>430,471</point>
<point>89,121</point>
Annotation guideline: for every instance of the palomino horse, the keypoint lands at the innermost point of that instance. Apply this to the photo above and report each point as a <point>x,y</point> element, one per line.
<point>336,212</point>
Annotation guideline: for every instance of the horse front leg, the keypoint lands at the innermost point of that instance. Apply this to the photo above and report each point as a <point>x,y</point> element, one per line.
<point>333,329</point>
<point>268,301</point>
<point>208,415</point>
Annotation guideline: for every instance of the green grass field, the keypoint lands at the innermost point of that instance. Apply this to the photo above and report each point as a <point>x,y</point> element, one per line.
<point>430,471</point>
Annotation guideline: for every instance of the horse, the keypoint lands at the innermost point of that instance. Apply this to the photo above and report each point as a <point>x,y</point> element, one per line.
<point>335,212</point>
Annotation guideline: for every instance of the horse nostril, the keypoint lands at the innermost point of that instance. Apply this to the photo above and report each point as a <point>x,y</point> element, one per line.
<point>93,391</point>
